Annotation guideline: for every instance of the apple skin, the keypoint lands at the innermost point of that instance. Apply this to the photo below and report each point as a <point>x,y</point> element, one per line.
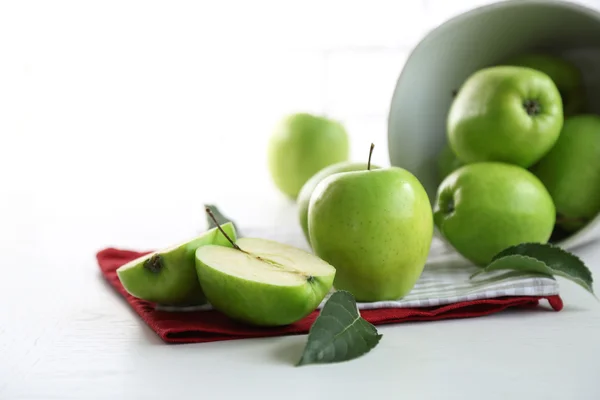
<point>308,188</point>
<point>495,117</point>
<point>260,303</point>
<point>483,208</point>
<point>301,145</point>
<point>447,162</point>
<point>176,283</point>
<point>566,76</point>
<point>571,172</point>
<point>375,227</point>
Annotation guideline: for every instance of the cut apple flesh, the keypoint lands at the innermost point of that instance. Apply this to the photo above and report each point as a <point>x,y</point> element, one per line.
<point>263,282</point>
<point>266,262</point>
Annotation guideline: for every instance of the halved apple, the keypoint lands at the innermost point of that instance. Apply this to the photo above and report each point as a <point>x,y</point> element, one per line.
<point>263,282</point>
<point>168,276</point>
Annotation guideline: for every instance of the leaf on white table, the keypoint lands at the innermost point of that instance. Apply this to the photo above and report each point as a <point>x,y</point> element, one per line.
<point>339,333</point>
<point>545,259</point>
<point>221,219</point>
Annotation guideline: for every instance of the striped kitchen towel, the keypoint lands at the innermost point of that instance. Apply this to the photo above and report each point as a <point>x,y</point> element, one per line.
<point>445,279</point>
<point>444,291</point>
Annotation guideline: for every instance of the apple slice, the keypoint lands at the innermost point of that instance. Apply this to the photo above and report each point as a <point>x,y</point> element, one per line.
<point>263,282</point>
<point>169,276</point>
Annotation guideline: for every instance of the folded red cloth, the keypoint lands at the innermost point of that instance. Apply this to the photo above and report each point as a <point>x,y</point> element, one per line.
<point>211,325</point>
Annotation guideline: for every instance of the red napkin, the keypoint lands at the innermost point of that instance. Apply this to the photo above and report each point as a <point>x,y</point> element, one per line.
<point>211,325</point>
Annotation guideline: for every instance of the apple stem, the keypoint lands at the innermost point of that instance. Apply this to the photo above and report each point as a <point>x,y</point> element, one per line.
<point>370,154</point>
<point>210,214</point>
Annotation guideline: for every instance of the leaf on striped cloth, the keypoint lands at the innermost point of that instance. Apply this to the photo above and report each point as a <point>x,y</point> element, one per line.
<point>544,259</point>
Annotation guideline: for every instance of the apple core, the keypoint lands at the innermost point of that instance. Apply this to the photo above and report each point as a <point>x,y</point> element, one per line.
<point>154,264</point>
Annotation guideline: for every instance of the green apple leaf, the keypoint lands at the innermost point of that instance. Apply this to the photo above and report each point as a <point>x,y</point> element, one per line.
<point>339,333</point>
<point>545,259</point>
<point>221,219</point>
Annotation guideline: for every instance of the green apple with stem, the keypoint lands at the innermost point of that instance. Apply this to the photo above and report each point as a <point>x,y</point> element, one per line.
<point>567,77</point>
<point>262,282</point>
<point>309,187</point>
<point>507,114</point>
<point>571,172</point>
<point>168,276</point>
<point>483,208</point>
<point>375,227</point>
<point>301,145</point>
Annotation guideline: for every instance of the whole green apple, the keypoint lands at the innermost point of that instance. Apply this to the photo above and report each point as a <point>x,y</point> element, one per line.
<point>571,172</point>
<point>263,282</point>
<point>566,76</point>
<point>507,114</point>
<point>301,145</point>
<point>447,162</point>
<point>483,208</point>
<point>308,188</point>
<point>375,227</point>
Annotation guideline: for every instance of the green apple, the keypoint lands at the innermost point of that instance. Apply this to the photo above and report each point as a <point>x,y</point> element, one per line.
<point>301,145</point>
<point>262,282</point>
<point>507,114</point>
<point>571,172</point>
<point>447,162</point>
<point>375,227</point>
<point>566,76</point>
<point>308,188</point>
<point>168,276</point>
<point>483,208</point>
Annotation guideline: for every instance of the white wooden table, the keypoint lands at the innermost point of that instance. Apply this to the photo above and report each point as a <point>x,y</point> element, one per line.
<point>65,334</point>
<point>119,120</point>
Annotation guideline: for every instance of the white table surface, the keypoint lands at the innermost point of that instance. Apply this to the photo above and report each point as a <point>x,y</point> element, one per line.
<point>118,120</point>
<point>65,334</point>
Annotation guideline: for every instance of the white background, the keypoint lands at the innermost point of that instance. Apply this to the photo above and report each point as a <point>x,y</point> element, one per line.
<point>121,115</point>
<point>119,119</point>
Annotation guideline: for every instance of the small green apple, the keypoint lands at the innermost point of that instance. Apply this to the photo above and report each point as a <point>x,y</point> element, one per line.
<point>483,208</point>
<point>168,276</point>
<point>566,76</point>
<point>447,162</point>
<point>308,188</point>
<point>571,172</point>
<point>507,114</point>
<point>301,146</point>
<point>263,282</point>
<point>375,227</point>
